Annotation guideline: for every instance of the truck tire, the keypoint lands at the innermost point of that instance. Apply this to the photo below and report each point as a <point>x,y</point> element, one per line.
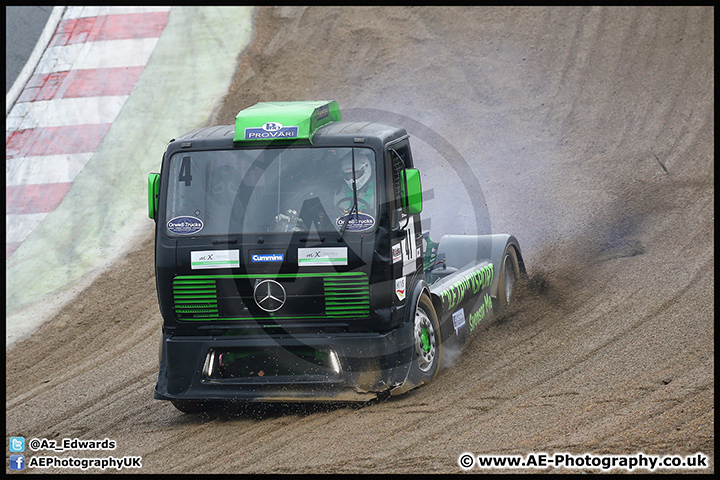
<point>427,348</point>
<point>509,274</point>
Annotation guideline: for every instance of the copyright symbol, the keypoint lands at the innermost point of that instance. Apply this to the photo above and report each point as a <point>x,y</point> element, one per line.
<point>34,444</point>
<point>466,461</point>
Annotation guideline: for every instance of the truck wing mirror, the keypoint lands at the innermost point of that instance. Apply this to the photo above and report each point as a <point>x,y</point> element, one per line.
<point>153,194</point>
<point>411,191</point>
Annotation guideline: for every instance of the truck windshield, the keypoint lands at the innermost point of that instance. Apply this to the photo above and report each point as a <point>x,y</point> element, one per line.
<point>256,191</point>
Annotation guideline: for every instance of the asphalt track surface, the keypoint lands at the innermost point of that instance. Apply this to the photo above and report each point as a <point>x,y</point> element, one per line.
<point>23,30</point>
<point>590,132</point>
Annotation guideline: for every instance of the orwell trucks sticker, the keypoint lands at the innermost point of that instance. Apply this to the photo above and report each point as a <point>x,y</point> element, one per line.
<point>358,222</point>
<point>185,225</point>
<point>215,259</point>
<point>322,257</point>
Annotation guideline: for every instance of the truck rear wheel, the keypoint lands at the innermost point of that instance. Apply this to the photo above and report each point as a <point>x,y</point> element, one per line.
<point>509,273</point>
<point>427,350</point>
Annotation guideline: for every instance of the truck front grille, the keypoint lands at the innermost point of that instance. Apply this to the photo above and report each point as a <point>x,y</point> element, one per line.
<point>230,297</point>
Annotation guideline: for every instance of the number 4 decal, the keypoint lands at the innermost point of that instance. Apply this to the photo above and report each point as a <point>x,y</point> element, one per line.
<point>185,171</point>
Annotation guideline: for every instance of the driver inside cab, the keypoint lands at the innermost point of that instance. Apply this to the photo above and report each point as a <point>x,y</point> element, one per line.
<point>330,192</point>
<point>364,181</point>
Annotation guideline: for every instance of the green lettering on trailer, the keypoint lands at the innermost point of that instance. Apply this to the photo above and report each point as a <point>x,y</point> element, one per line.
<point>478,315</point>
<point>270,121</point>
<point>471,282</point>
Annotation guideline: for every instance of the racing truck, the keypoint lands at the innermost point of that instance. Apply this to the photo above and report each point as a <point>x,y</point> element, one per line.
<point>291,264</point>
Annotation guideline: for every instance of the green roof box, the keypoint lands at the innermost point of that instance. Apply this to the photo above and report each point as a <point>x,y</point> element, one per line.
<point>268,121</point>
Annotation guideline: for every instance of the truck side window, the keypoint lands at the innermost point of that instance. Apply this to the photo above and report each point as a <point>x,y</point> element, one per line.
<point>398,162</point>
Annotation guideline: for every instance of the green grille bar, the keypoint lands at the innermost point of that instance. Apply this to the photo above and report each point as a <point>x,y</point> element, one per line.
<point>347,296</point>
<point>195,298</point>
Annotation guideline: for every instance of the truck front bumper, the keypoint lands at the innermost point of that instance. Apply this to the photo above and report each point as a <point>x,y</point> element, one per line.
<point>350,367</point>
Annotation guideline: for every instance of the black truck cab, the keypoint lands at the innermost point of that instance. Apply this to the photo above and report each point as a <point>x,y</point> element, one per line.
<point>290,263</point>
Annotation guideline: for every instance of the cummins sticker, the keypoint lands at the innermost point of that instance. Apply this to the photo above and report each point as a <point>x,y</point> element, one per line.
<point>270,131</point>
<point>215,259</point>
<point>185,225</point>
<point>322,257</point>
<point>357,223</point>
<point>267,257</point>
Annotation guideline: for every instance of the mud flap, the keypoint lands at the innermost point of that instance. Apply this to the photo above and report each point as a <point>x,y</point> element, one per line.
<point>161,385</point>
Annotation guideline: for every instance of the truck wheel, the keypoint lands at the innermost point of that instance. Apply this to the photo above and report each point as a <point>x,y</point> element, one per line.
<point>509,273</point>
<point>427,349</point>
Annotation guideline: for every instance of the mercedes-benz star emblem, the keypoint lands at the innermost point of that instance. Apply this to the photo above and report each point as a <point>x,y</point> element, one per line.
<point>269,295</point>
